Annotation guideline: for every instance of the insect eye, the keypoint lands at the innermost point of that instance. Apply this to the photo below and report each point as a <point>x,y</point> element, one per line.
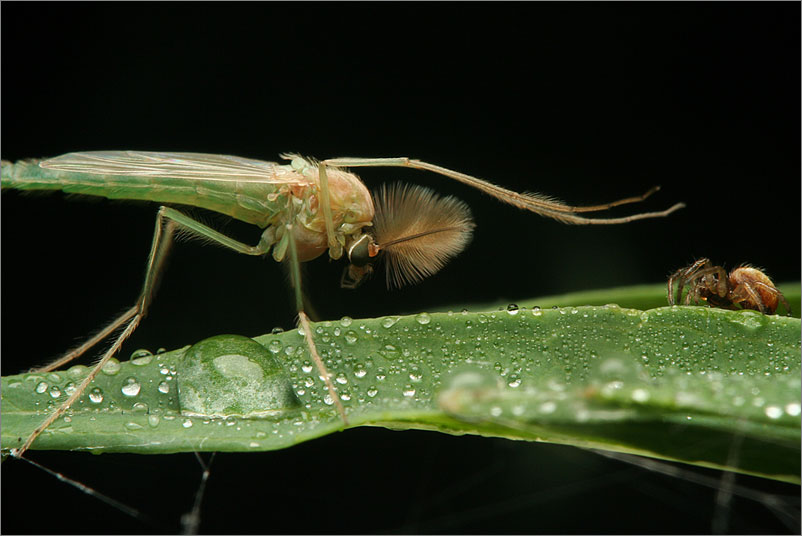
<point>359,252</point>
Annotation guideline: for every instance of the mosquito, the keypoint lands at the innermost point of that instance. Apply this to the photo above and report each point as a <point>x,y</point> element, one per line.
<point>304,207</point>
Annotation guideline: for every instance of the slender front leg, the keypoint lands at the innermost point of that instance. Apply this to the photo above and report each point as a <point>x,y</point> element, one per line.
<point>306,325</point>
<point>533,202</point>
<point>167,221</point>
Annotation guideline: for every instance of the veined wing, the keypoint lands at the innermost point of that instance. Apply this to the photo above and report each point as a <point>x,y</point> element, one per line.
<point>189,166</point>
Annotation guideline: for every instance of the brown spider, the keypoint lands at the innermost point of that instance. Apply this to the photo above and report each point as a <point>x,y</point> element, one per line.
<point>746,286</point>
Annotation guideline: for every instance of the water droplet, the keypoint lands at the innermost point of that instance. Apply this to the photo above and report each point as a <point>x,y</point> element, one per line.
<point>55,392</point>
<point>153,421</point>
<point>515,381</point>
<point>360,371</point>
<point>131,387</point>
<point>409,391</point>
<point>77,371</point>
<point>306,367</point>
<point>187,423</point>
<point>423,318</point>
<point>536,311</point>
<point>389,351</point>
<point>140,407</point>
<point>111,367</point>
<point>749,319</point>
<point>372,391</point>
<point>346,321</point>
<point>415,374</point>
<point>133,426</point>
<point>328,400</point>
<point>96,395</point>
<point>547,407</point>
<point>274,347</point>
<point>276,331</point>
<point>70,388</point>
<point>350,336</point>
<point>512,309</point>
<point>793,409</point>
<point>41,387</point>
<point>773,412</point>
<point>164,387</point>
<point>640,395</point>
<point>389,321</point>
<point>341,379</point>
<point>142,352</point>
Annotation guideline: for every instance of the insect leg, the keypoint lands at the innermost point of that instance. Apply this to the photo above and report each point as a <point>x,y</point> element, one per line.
<point>335,248</point>
<point>306,325</point>
<point>537,203</point>
<point>167,221</point>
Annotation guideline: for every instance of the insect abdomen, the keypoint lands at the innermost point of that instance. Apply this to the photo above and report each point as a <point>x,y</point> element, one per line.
<point>246,201</point>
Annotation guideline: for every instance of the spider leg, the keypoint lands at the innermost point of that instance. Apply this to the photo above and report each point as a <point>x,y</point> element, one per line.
<point>683,276</point>
<point>774,291</point>
<point>745,293</point>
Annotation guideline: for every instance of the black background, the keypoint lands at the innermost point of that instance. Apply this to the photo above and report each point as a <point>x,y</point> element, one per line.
<point>586,102</point>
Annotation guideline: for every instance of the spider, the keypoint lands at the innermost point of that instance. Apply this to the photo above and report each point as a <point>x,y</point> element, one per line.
<point>746,286</point>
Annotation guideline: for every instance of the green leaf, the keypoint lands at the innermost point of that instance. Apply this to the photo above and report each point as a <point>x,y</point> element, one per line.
<point>679,383</point>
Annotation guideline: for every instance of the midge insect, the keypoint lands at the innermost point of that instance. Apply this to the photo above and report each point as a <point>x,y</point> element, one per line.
<point>305,208</point>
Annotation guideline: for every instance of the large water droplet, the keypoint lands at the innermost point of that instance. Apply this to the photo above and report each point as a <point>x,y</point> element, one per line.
<point>234,375</point>
<point>41,387</point>
<point>423,318</point>
<point>164,387</point>
<point>346,321</point>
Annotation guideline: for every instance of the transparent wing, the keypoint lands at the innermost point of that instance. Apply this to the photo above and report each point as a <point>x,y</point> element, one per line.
<point>189,166</point>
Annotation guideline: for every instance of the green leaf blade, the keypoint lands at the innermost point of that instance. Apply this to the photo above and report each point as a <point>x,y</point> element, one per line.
<point>680,383</point>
